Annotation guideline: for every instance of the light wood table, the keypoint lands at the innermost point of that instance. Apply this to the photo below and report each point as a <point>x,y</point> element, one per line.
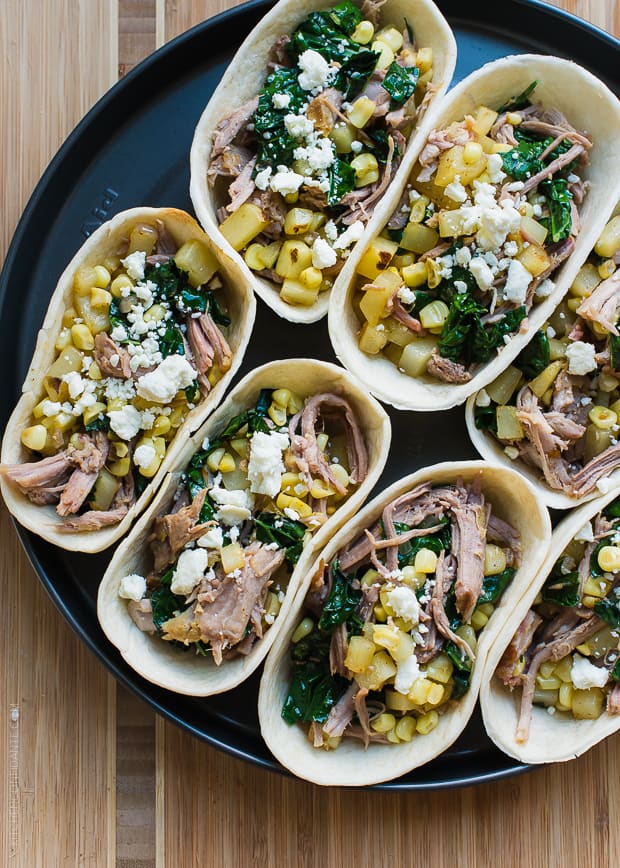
<point>88,775</point>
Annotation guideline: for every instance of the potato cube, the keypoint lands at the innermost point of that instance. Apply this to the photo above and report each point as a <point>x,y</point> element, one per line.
<point>376,257</point>
<point>452,163</point>
<point>415,356</point>
<point>484,120</point>
<point>295,256</point>
<point>418,238</point>
<point>534,258</point>
<point>197,260</point>
<point>243,225</point>
<point>233,557</point>
<point>372,338</point>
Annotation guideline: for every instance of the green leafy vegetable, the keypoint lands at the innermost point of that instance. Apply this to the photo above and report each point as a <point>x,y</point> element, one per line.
<point>192,392</point>
<point>171,342</point>
<point>609,611</point>
<point>341,181</point>
<point>465,339</point>
<point>437,542</point>
<point>315,647</point>
<point>276,145</point>
<point>461,684</point>
<point>341,603</point>
<point>561,589</point>
<point>170,281</point>
<point>346,15</point>
<point>485,418</point>
<point>615,672</point>
<point>164,602</point>
<point>614,351</point>
<point>288,534</point>
<point>356,71</point>
<point>494,586</point>
<point>217,314</point>
<point>559,198</point>
<point>612,510</point>
<point>459,658</point>
<point>518,102</point>
<point>595,569</point>
<point>100,423</point>
<point>312,693</point>
<point>400,82</point>
<point>535,357</point>
<point>380,147</point>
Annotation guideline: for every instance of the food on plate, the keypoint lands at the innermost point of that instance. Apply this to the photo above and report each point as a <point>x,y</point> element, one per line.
<point>554,411</point>
<point>143,333</point>
<point>487,232</point>
<point>306,131</point>
<point>394,622</point>
<point>215,562</point>
<point>555,690</point>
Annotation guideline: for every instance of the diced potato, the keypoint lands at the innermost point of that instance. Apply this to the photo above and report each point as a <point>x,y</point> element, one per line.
<point>546,378</point>
<point>381,668</point>
<point>398,333</point>
<point>418,238</point>
<point>233,557</point>
<point>227,464</point>
<point>503,387</point>
<point>415,275</point>
<point>586,281</point>
<point>452,163</point>
<point>494,559</point>
<point>372,338</point>
<point>451,224</point>
<point>294,292</point>
<point>533,230</point>
<point>534,258</point>
<point>440,669</point>
<point>297,221</point>
<point>484,120</point>
<point>415,356</point>
<point>69,360</point>
<point>142,237</point>
<point>376,257</point>
<point>92,412</point>
<point>372,305</point>
<point>359,654</point>
<point>489,146</point>
<point>311,278</point>
<point>508,425</point>
<point>557,349</point>
<point>294,257</point>
<point>343,135</point>
<point>83,280</point>
<point>609,242</point>
<point>197,260</point>
<point>104,491</point>
<point>424,59</point>
<point>95,319</point>
<point>243,225</point>
<point>587,704</point>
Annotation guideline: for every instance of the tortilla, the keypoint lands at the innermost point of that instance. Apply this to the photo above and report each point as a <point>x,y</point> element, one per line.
<point>350,764</point>
<point>155,659</point>
<point>243,80</point>
<point>589,105</point>
<point>43,520</point>
<point>553,738</point>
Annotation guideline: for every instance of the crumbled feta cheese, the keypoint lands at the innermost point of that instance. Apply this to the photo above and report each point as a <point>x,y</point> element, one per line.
<point>550,710</point>
<point>581,358</point>
<point>74,383</point>
<point>483,399</point>
<point>517,282</point>
<point>189,571</point>
<point>322,254</point>
<point>134,264</point>
<point>515,186</point>
<point>144,455</point>
<point>119,333</point>
<point>114,359</point>
<point>494,168</point>
<point>285,181</point>
<point>456,191</point>
<point>356,146</point>
<point>147,419</point>
<point>132,587</point>
<point>537,210</point>
<point>280,100</point>
<point>604,485</point>
<point>511,452</point>
<point>162,384</point>
<point>116,388</point>
<point>125,422</point>
<point>544,289</point>
<point>331,230</point>
<point>265,465</point>
<point>315,70</point>
<point>298,126</point>
<point>550,332</point>
<point>233,533</point>
<point>51,408</point>
<point>406,295</point>
<point>463,256</point>
<point>205,443</point>
<point>262,178</point>
<point>234,506</point>
<point>511,248</point>
<point>349,236</point>
<point>585,675</point>
<point>212,539</point>
<point>318,156</point>
<point>481,272</point>
<point>406,674</point>
<point>586,534</point>
<point>291,513</point>
<point>404,603</point>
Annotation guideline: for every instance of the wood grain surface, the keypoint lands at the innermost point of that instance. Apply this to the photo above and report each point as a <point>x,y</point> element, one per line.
<point>89,777</point>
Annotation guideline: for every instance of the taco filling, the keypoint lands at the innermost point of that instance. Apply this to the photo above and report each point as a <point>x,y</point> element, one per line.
<point>390,629</point>
<point>565,655</point>
<point>142,342</point>
<point>488,215</point>
<point>300,168</point>
<point>557,406</point>
<point>246,505</point>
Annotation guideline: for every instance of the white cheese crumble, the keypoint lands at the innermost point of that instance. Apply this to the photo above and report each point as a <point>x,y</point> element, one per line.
<point>349,236</point>
<point>604,485</point>
<point>119,333</point>
<point>262,178</point>
<point>463,256</point>
<point>134,264</point>
<point>331,230</point>
<point>481,272</point>
<point>494,168</point>
<point>75,384</point>
<point>483,399</point>
<point>319,156</point>
<point>406,295</point>
<point>212,539</point>
<point>456,191</point>
<point>51,408</point>
<point>517,282</point>
<point>265,465</point>
<point>581,358</point>
<point>144,455</point>
<point>298,126</point>
<point>132,587</point>
<point>356,146</point>
<point>322,254</point>
<point>234,506</point>
<point>280,100</point>
<point>162,384</point>
<point>125,422</point>
<point>404,603</point>
<point>545,288</point>
<point>315,70</point>
<point>291,513</point>
<point>585,675</point>
<point>585,534</point>
<point>189,571</point>
<point>285,181</point>
<point>406,674</point>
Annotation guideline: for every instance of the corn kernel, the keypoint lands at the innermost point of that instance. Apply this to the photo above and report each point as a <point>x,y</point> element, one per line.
<point>362,109</point>
<point>391,37</point>
<point>494,560</point>
<point>427,722</point>
<point>424,61</point>
<point>34,437</point>
<point>120,283</point>
<point>566,696</point>
<point>363,33</point>
<point>340,474</point>
<point>603,417</point>
<point>415,275</point>
<point>380,614</point>
<point>82,337</point>
<point>155,313</point>
<point>303,629</point>
<point>277,415</point>
<point>213,461</point>
<point>100,297</point>
<point>435,694</point>
<point>383,722</point>
<point>320,489</point>
<point>433,316</point>
<point>386,55</point>
<point>120,467</point>
<point>322,440</point>
<point>121,449</point>
<point>405,728</point>
<point>606,269</point>
<point>419,690</point>
<point>392,737</point>
<point>227,463</point>
<point>311,278</point>
<point>161,425</point>
<point>101,276</point>
<point>63,340</point>
<point>609,559</point>
<point>425,561</point>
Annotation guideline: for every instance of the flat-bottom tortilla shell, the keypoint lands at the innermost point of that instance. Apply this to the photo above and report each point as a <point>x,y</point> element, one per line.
<point>244,78</point>
<point>168,666</point>
<point>553,738</point>
<point>350,764</point>
<point>588,105</point>
<point>44,520</point>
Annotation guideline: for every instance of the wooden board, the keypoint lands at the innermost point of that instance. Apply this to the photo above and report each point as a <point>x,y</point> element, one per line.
<point>89,777</point>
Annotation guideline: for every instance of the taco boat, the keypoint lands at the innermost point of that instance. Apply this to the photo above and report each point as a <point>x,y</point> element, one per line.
<point>553,413</point>
<point>305,133</point>
<point>552,683</point>
<point>379,667</point>
<point>145,329</point>
<point>196,594</point>
<point>505,200</point>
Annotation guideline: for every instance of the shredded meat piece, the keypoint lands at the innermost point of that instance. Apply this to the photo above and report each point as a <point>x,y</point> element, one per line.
<point>229,127</point>
<point>165,242</point>
<point>172,532</point>
<point>445,575</point>
<point>278,55</point>
<point>338,647</point>
<point>362,713</point>
<point>371,10</point>
<point>273,209</point>
<point>403,316</point>
<point>88,461</point>
<point>519,644</point>
<point>446,370</point>
<point>438,141</point>
<point>341,713</point>
<point>613,699</point>
<point>230,163</point>
<point>242,187</point>
<point>601,306</point>
<point>324,109</point>
<point>93,520</point>
<point>141,613</point>
<point>36,477</point>
<point>554,166</point>
<point>361,208</point>
<point>207,342</point>
<point>106,350</point>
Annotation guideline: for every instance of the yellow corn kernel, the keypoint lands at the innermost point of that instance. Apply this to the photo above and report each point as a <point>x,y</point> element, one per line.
<point>594,587</point>
<point>589,602</point>
<point>415,275</point>
<point>285,501</point>
<point>253,257</point>
<point>427,722</point>
<point>297,221</point>
<point>380,614</point>
<point>419,690</point>
<point>311,278</point>
<point>565,696</point>
<point>68,317</point>
<point>433,316</point>
<point>573,304</point>
<point>363,33</point>
<point>563,669</point>
<point>425,561</point>
<point>479,620</point>
<point>34,437</point>
<point>435,695</point>
<point>233,557</point>
<point>290,484</point>
<point>383,722</point>
<point>361,111</point>
<point>340,474</point>
<point>120,467</point>
<point>177,416</point>
<point>424,59</point>
<point>161,426</point>
<point>343,137</point>
<point>277,414</point>
<point>472,153</point>
<point>494,560</point>
<point>386,55</point>
<point>466,632</point>
<point>391,37</point>
<point>606,268</point>
<point>102,276</point>
<point>608,243</point>
<point>550,683</point>
<point>82,337</point>
<point>100,297</point>
<point>366,169</point>
<point>121,285</point>
<point>546,669</point>
<point>392,737</point>
<point>322,440</point>
<point>320,489</point>
<point>412,578</point>
<point>380,670</point>
<point>83,279</point>
<point>272,605</point>
<point>303,629</point>
<point>609,559</point>
<point>405,729</point>
<point>359,654</point>
<point>63,340</point>
<point>281,397</point>
<point>227,463</point>
<point>397,701</point>
<point>197,261</point>
<point>155,313</point>
<point>121,449</point>
<point>213,461</point>
<point>603,417</point>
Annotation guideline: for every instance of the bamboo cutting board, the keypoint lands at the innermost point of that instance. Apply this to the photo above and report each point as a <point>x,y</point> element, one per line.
<point>89,777</point>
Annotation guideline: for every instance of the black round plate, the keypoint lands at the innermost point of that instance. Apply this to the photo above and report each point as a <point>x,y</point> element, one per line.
<point>133,149</point>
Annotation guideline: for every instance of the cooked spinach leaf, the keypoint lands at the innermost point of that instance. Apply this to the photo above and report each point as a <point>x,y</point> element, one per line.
<point>465,339</point>
<point>192,392</point>
<point>440,540</point>
<point>288,534</point>
<point>213,306</point>
<point>341,181</point>
<point>494,586</point>
<point>518,102</point>
<point>355,72</point>
<point>275,144</point>
<point>100,423</point>
<point>559,198</point>
<point>460,660</point>
<point>341,603</point>
<point>400,82</point>
<point>170,282</point>
<point>485,418</point>
<point>561,589</point>
<point>614,351</point>
<point>315,647</point>
<point>346,15</point>
<point>612,510</point>
<point>595,569</point>
<point>171,342</point>
<point>534,358</point>
<point>380,147</point>
<point>609,611</point>
<point>164,602</point>
<point>312,694</point>
<point>461,684</point>
<point>524,161</point>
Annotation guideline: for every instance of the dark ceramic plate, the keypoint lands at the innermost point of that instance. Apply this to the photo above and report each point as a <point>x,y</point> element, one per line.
<point>133,149</point>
